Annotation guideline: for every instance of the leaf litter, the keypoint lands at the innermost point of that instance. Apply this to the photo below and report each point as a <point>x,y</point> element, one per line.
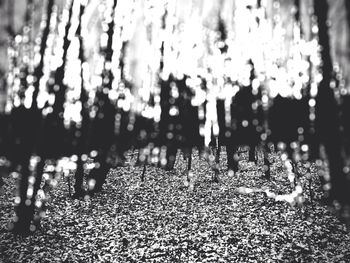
<point>163,220</point>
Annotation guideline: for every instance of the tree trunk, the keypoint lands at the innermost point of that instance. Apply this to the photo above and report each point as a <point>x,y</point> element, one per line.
<point>327,112</point>
<point>25,209</point>
<point>81,140</point>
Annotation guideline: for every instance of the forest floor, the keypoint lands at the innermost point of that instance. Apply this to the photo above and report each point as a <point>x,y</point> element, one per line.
<point>164,220</point>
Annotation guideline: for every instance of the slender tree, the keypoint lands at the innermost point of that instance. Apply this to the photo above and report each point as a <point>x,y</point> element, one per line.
<point>38,72</point>
<point>327,111</point>
<point>347,6</point>
<point>10,18</point>
<point>346,98</point>
<point>80,134</point>
<point>25,207</point>
<point>102,132</point>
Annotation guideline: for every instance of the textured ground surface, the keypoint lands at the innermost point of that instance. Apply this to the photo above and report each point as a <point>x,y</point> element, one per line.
<point>163,220</point>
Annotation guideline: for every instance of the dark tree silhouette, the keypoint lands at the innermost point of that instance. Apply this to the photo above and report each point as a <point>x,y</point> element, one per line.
<point>327,111</point>
<point>25,138</point>
<point>345,110</point>
<point>79,132</point>
<point>102,129</point>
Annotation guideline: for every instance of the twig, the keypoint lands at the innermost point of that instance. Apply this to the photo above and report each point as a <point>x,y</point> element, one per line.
<point>69,186</point>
